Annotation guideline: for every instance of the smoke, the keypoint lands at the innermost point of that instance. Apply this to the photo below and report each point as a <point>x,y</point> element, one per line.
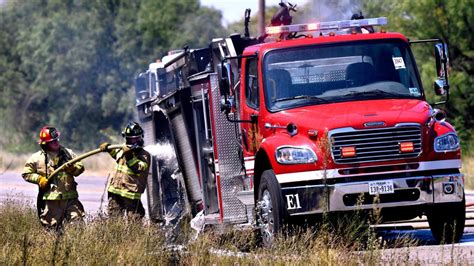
<point>327,10</point>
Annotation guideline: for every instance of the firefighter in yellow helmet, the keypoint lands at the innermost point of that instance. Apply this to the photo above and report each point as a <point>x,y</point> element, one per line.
<point>57,198</point>
<point>129,180</point>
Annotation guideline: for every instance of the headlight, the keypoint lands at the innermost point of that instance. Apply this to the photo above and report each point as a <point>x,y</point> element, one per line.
<point>447,142</point>
<point>295,155</point>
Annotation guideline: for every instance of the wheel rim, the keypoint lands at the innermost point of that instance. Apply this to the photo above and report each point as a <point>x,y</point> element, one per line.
<point>267,220</point>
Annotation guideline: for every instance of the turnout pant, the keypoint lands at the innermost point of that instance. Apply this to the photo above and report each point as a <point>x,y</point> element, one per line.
<point>119,206</point>
<point>58,211</point>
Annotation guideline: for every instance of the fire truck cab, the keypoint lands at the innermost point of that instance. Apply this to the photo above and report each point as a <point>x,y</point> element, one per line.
<point>317,118</point>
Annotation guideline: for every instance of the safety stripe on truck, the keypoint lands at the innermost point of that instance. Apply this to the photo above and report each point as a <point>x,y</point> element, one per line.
<point>334,173</point>
<point>249,163</point>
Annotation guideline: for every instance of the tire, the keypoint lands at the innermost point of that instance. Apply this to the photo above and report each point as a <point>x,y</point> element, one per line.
<point>447,222</point>
<point>270,210</point>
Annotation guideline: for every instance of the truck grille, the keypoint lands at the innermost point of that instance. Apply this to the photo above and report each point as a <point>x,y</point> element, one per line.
<point>381,144</point>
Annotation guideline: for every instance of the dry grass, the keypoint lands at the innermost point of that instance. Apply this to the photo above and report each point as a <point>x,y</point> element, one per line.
<point>109,241</point>
<point>100,164</point>
<point>101,241</point>
<point>12,162</point>
<point>468,171</point>
<point>341,240</point>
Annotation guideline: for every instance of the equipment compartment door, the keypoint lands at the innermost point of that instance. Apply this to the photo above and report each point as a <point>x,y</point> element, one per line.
<point>227,158</point>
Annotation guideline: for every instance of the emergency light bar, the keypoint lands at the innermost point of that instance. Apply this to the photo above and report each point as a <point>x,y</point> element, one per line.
<point>330,25</point>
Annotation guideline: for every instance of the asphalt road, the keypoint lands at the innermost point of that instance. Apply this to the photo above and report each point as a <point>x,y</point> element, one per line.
<point>91,189</point>
<point>94,198</point>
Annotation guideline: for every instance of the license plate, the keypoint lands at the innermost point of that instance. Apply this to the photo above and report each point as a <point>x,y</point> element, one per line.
<point>381,187</point>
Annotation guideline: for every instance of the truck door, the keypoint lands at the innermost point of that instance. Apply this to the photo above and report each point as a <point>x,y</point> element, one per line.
<point>250,106</point>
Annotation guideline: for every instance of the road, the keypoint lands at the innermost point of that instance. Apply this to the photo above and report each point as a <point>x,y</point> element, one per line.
<point>92,195</point>
<point>91,191</point>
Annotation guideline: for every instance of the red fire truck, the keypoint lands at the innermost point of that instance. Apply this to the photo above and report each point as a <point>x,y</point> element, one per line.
<point>308,119</point>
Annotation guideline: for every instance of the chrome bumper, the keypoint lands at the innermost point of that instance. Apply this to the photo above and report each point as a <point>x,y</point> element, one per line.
<point>349,196</point>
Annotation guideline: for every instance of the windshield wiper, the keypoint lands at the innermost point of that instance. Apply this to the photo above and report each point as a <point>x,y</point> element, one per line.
<point>306,97</point>
<point>373,92</point>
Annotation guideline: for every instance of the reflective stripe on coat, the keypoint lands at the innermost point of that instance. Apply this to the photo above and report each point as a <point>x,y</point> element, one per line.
<point>131,173</point>
<point>63,185</point>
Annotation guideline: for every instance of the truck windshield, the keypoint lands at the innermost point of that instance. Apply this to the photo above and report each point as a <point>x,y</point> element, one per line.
<point>363,70</point>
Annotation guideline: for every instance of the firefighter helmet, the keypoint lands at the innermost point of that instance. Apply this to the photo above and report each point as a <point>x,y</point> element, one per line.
<point>133,134</point>
<point>48,134</point>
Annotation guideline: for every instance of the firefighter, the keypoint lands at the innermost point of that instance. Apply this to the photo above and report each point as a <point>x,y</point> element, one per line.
<point>129,181</point>
<point>57,198</point>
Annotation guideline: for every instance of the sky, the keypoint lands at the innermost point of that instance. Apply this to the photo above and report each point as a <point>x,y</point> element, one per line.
<point>233,10</point>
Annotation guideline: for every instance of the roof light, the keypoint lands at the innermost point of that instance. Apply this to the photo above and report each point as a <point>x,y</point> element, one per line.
<point>331,25</point>
<point>312,26</point>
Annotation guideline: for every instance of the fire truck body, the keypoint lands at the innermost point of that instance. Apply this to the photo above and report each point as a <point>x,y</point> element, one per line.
<point>269,132</point>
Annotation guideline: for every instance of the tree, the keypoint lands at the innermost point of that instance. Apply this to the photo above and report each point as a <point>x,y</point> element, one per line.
<point>452,21</point>
<point>71,63</point>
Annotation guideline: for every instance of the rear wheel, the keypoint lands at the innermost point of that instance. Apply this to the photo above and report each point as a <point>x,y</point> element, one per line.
<point>447,222</point>
<point>270,211</point>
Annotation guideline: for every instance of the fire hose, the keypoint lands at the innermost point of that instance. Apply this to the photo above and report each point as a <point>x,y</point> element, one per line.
<point>80,157</point>
<point>40,204</point>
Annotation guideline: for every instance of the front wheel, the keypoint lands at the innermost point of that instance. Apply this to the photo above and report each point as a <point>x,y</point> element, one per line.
<point>270,211</point>
<point>447,222</point>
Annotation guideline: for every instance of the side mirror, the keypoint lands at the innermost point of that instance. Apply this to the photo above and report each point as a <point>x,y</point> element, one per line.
<point>225,85</point>
<point>141,89</point>
<point>439,87</point>
<point>441,84</point>
<point>226,104</point>
<point>225,81</point>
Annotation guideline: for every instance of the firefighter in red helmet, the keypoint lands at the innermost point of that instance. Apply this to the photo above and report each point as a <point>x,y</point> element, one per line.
<point>129,180</point>
<point>58,198</point>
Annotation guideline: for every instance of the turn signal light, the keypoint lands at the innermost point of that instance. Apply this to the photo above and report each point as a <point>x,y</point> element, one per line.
<point>348,151</point>
<point>313,133</point>
<point>406,147</point>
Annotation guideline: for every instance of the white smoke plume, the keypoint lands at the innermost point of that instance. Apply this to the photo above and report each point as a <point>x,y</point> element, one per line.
<point>326,10</point>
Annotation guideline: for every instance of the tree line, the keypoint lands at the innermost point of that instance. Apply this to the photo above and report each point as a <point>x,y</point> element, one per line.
<point>71,63</point>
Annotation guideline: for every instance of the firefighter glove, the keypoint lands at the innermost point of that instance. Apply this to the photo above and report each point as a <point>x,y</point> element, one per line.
<point>43,182</point>
<point>70,168</point>
<point>126,149</point>
<point>104,147</point>
<point>127,152</point>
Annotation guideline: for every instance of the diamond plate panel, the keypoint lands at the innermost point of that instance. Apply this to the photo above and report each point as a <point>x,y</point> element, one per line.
<point>229,162</point>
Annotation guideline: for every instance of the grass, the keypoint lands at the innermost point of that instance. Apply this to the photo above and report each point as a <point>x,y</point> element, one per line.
<point>468,171</point>
<point>12,162</point>
<point>116,241</point>
<point>341,241</point>
<point>101,241</point>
